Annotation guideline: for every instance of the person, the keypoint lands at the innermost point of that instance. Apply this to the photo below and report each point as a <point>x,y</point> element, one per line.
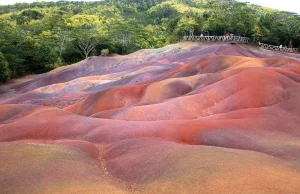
<point>227,35</point>
<point>201,35</point>
<point>280,46</point>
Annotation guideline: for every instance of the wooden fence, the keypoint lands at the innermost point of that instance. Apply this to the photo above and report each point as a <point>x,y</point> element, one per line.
<point>238,39</point>
<point>278,48</point>
<point>217,38</point>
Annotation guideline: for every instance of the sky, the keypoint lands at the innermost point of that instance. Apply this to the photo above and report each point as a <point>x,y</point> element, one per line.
<point>286,5</point>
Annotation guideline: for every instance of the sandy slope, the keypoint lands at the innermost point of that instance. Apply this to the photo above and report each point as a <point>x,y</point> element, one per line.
<point>186,118</point>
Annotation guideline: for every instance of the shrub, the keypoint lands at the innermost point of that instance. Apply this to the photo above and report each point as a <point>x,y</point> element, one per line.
<point>56,64</point>
<point>104,52</point>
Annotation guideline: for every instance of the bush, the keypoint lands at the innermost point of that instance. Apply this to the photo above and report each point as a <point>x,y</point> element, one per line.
<point>56,64</point>
<point>104,52</point>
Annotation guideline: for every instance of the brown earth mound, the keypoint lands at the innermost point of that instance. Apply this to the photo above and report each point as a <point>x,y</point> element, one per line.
<point>186,118</point>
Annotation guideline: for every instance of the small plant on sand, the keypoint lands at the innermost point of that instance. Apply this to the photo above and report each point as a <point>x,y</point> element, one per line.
<point>104,52</point>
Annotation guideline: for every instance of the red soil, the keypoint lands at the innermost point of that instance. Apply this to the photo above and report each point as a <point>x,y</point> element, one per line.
<point>186,118</point>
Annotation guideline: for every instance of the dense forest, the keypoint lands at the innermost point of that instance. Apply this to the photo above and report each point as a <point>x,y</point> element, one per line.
<point>38,37</point>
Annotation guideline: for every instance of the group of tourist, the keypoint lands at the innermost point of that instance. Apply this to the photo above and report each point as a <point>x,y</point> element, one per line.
<point>227,35</point>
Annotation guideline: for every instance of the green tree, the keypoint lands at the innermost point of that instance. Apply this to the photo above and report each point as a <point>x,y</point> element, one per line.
<point>290,27</point>
<point>4,69</point>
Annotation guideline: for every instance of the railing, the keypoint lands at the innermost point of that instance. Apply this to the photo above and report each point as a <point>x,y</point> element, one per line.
<point>217,38</point>
<point>277,48</point>
<point>238,39</point>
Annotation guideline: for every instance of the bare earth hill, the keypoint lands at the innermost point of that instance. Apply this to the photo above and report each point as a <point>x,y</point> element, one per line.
<point>186,118</point>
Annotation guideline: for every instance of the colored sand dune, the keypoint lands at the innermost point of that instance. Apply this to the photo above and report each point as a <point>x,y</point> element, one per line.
<point>186,118</point>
